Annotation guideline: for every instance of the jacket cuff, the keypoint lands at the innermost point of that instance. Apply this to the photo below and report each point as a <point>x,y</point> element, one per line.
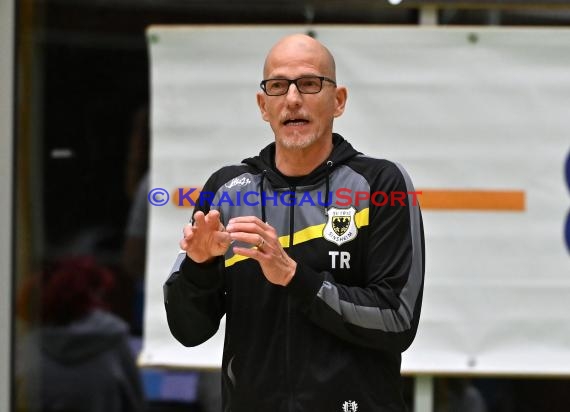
<point>202,275</point>
<point>305,284</point>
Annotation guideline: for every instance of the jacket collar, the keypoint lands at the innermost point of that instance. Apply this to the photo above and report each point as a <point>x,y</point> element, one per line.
<point>265,163</point>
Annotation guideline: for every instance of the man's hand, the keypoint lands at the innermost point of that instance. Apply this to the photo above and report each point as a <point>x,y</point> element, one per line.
<point>206,239</point>
<point>276,265</point>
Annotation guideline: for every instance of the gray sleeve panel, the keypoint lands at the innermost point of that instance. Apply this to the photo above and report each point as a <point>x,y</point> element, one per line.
<point>415,280</point>
<point>365,316</point>
<point>178,262</point>
<point>329,293</point>
<point>171,276</point>
<point>388,320</point>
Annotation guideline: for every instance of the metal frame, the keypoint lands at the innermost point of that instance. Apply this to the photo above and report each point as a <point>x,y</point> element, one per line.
<point>423,393</point>
<point>423,384</point>
<point>487,4</point>
<point>7,26</point>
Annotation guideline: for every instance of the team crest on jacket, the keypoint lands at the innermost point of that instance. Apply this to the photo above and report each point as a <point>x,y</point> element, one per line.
<point>340,227</point>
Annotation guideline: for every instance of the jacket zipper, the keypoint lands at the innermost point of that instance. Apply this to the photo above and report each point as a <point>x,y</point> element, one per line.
<point>288,328</point>
<point>292,215</point>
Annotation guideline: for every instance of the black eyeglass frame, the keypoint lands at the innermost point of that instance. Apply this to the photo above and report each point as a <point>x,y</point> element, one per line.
<point>294,81</point>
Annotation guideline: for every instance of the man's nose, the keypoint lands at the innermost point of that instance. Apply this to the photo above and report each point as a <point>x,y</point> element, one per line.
<point>293,94</point>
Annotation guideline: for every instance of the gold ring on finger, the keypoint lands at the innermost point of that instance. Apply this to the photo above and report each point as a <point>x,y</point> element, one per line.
<point>261,243</point>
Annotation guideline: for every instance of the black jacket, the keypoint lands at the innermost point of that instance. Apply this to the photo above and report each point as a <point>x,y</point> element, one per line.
<point>332,338</point>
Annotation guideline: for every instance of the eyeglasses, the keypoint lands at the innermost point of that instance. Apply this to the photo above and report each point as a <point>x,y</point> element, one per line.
<point>305,85</point>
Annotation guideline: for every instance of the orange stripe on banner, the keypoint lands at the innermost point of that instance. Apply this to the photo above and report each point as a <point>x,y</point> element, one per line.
<point>491,200</point>
<point>429,199</point>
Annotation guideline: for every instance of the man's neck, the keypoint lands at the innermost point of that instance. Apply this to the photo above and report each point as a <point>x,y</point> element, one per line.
<point>301,162</point>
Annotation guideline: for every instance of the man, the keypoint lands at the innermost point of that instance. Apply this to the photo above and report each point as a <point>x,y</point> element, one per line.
<point>319,269</point>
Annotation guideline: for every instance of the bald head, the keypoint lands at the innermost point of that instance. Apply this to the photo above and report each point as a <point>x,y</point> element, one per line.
<point>300,48</point>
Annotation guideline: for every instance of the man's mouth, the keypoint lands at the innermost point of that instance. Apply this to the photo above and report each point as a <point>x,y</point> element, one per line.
<point>295,122</point>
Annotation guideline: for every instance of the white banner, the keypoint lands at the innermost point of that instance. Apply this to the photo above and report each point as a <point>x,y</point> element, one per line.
<point>479,117</point>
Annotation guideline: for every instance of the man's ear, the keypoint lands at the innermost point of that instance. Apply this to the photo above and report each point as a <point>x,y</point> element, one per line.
<point>340,100</point>
<point>261,103</point>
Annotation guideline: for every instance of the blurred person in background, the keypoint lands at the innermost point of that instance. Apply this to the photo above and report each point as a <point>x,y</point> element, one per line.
<point>78,359</point>
<point>458,395</point>
<point>136,190</point>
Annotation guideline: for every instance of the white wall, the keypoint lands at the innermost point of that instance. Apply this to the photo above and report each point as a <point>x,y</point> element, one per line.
<point>6,139</point>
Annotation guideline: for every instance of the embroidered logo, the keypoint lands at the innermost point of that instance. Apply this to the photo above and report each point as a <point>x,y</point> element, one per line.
<point>340,227</point>
<point>238,182</point>
<point>349,406</point>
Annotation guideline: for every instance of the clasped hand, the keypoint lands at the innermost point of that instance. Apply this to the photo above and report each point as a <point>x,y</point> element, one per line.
<point>208,238</point>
